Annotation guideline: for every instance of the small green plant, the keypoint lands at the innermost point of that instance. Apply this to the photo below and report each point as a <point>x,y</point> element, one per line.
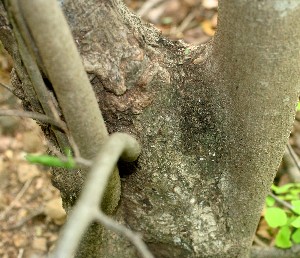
<point>286,215</point>
<point>52,161</point>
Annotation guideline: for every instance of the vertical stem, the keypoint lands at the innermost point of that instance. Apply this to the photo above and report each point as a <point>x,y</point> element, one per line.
<point>257,62</point>
<point>64,67</point>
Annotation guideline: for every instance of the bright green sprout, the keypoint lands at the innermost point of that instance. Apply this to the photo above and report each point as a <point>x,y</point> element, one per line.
<point>298,106</point>
<point>52,161</point>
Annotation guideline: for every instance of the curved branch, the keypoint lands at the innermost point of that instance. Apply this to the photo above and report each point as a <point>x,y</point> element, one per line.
<point>118,145</point>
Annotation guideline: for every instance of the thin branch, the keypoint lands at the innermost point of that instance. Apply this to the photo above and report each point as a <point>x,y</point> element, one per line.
<point>282,202</point>
<point>37,116</point>
<point>78,159</point>
<point>18,197</point>
<point>294,156</point>
<point>26,219</point>
<point>69,136</point>
<point>148,5</point>
<point>259,242</point>
<point>118,145</point>
<point>21,252</point>
<point>291,164</point>
<point>7,87</point>
<point>185,23</point>
<point>134,238</point>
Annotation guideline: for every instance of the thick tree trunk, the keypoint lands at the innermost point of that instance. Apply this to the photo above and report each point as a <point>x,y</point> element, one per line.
<point>212,122</point>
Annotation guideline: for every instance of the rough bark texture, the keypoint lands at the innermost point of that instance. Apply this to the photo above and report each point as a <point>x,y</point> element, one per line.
<point>212,123</point>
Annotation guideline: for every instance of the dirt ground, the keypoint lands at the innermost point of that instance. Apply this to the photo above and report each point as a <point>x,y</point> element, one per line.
<point>30,207</point>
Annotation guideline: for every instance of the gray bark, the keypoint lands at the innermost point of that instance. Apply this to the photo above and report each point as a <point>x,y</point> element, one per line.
<point>212,123</point>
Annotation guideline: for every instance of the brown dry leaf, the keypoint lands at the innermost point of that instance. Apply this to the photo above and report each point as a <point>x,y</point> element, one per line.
<point>27,171</point>
<point>191,2</point>
<point>32,141</point>
<point>20,240</point>
<point>214,20</point>
<point>210,4</point>
<point>39,243</point>
<point>208,28</point>
<point>3,200</point>
<point>284,179</point>
<point>5,142</point>
<point>263,230</point>
<point>55,211</point>
<point>8,154</point>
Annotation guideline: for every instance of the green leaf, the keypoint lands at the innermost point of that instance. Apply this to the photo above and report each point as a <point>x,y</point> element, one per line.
<point>283,238</point>
<point>296,236</point>
<point>187,51</point>
<point>274,188</point>
<point>270,201</point>
<point>275,217</point>
<point>296,205</point>
<point>288,197</point>
<point>295,192</point>
<point>167,20</point>
<point>50,161</point>
<point>290,220</point>
<point>296,223</point>
<point>283,189</point>
<point>298,106</point>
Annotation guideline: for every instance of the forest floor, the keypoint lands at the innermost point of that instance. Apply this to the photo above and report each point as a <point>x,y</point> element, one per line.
<point>30,207</point>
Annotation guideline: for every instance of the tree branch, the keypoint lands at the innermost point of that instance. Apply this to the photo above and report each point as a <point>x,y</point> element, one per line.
<point>37,116</point>
<point>292,162</point>
<point>134,238</point>
<point>64,67</point>
<point>282,202</point>
<point>7,87</point>
<point>22,36</point>
<point>117,146</point>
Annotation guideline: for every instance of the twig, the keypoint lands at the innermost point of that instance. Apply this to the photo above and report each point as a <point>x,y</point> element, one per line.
<point>84,162</point>
<point>293,155</point>
<point>21,252</point>
<point>18,197</point>
<point>86,209</point>
<point>7,87</point>
<point>74,146</point>
<point>185,23</point>
<point>259,242</point>
<point>25,220</point>
<point>147,6</point>
<point>134,238</point>
<point>79,160</point>
<point>282,202</point>
<point>40,117</point>
<point>291,164</point>
<point>68,134</point>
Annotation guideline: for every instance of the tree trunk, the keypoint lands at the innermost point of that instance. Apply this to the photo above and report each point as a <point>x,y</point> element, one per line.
<point>212,122</point>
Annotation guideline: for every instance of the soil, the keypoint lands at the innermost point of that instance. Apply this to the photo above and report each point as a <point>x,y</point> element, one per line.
<point>30,207</point>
